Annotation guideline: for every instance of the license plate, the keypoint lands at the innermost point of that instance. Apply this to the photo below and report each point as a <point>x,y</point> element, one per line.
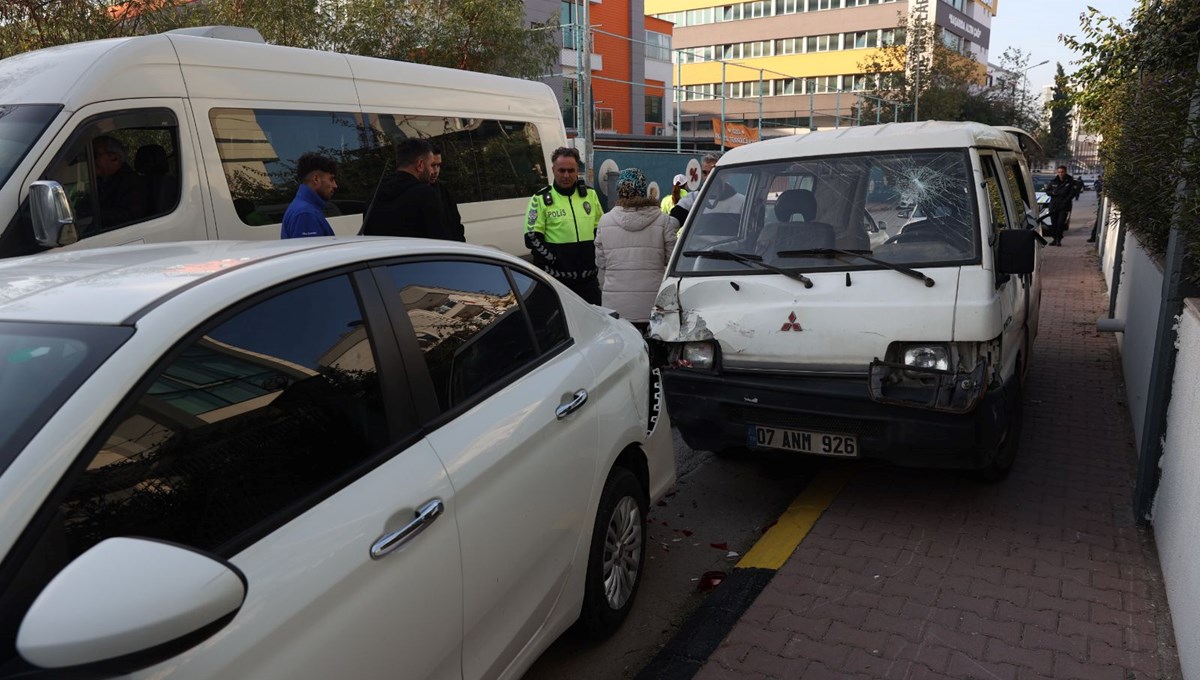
<point>821,443</point>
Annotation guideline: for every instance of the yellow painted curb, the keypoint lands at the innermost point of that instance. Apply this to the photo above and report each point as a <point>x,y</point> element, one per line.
<point>777,545</point>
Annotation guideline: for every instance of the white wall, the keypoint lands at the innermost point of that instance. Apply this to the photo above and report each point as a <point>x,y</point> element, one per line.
<point>1177,504</point>
<point>1138,299</point>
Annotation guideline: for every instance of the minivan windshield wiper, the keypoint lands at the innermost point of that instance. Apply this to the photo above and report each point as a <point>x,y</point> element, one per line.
<point>751,260</point>
<point>864,254</point>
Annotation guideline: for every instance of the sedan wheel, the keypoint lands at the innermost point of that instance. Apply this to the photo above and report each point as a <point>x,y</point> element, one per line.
<point>616,554</point>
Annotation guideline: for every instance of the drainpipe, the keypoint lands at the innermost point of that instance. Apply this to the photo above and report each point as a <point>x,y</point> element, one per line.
<point>1162,366</point>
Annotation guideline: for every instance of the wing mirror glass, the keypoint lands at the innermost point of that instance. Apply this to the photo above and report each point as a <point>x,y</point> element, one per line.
<point>53,221</point>
<point>1015,251</point>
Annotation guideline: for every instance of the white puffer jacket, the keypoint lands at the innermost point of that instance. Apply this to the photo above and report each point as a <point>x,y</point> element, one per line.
<point>633,244</point>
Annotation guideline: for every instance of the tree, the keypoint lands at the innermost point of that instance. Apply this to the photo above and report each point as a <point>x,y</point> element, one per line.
<point>1014,104</point>
<point>918,76</point>
<point>474,35</point>
<point>1060,117</point>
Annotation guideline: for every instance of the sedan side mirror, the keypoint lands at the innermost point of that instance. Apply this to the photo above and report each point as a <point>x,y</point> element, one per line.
<point>129,603</point>
<point>1015,251</point>
<point>53,221</point>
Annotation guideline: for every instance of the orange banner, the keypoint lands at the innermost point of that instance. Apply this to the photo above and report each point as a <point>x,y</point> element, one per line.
<point>736,134</point>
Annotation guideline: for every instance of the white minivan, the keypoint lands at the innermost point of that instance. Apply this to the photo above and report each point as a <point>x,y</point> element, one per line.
<point>209,123</point>
<point>875,296</point>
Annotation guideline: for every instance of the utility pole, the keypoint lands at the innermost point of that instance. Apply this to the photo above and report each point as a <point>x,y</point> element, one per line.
<point>587,131</point>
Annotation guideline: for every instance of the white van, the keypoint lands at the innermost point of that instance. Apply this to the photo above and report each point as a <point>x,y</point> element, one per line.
<point>211,122</point>
<point>876,296</point>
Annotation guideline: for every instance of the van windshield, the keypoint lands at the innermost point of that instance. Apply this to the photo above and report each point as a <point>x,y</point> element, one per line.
<point>20,126</point>
<point>908,208</point>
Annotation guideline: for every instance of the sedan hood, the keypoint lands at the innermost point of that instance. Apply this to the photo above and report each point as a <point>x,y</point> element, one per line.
<point>771,322</point>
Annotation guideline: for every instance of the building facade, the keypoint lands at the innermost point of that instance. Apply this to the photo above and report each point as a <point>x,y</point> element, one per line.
<point>798,63</point>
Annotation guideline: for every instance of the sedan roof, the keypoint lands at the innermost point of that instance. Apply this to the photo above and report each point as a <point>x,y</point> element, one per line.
<point>111,285</point>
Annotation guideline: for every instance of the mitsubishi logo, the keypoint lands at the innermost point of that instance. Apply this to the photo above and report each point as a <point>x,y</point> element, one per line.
<point>791,324</point>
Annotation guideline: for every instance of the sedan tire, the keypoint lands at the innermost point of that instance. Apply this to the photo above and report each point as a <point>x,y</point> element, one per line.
<point>616,555</point>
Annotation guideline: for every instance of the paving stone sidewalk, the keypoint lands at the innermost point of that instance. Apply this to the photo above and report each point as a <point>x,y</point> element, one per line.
<point>915,574</point>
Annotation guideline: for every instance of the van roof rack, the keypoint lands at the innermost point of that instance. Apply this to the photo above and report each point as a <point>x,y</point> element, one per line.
<point>239,33</point>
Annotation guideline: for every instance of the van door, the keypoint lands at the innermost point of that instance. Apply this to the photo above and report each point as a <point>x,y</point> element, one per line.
<point>1010,288</point>
<point>129,170</point>
<point>1025,202</point>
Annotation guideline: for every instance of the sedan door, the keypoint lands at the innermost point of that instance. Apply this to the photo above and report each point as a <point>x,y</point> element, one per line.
<point>280,436</point>
<point>513,427</point>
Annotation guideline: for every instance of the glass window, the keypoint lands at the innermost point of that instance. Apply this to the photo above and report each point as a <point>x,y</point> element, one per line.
<point>251,420</point>
<point>996,203</point>
<point>658,46</point>
<point>654,108</point>
<point>569,29</point>
<point>469,324</point>
<point>120,169</point>
<point>777,210</point>
<point>20,127</point>
<point>541,303</point>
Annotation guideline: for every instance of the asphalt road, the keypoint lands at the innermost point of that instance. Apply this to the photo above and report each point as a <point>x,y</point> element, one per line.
<point>719,509</point>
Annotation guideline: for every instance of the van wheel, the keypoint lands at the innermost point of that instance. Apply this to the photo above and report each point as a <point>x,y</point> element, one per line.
<point>1006,453</point>
<point>616,555</point>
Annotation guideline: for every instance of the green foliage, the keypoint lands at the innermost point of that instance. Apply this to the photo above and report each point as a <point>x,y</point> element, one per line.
<point>923,72</point>
<point>1139,86</point>
<point>1060,117</point>
<point>474,35</point>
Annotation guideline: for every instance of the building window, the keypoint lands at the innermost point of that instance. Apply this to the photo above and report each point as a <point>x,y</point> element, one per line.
<point>603,119</point>
<point>658,46</point>
<point>570,32</point>
<point>654,109</point>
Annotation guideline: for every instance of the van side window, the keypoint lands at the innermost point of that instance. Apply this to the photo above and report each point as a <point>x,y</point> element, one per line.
<point>999,209</point>
<point>259,149</point>
<point>119,169</point>
<point>1016,188</point>
<point>482,160</point>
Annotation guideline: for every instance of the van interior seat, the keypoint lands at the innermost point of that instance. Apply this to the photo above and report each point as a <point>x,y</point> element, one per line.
<point>795,227</point>
<point>162,189</point>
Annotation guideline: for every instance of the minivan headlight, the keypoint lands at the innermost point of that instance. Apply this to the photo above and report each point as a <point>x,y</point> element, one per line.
<point>936,357</point>
<point>702,355</point>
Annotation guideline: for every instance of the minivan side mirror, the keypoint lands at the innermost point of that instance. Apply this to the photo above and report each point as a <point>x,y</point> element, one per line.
<point>1015,250</point>
<point>129,603</point>
<point>53,221</point>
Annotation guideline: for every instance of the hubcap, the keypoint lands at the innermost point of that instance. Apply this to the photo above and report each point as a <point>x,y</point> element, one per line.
<point>622,552</point>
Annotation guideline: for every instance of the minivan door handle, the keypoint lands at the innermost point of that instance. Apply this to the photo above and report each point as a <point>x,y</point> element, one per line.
<point>577,400</point>
<point>389,543</point>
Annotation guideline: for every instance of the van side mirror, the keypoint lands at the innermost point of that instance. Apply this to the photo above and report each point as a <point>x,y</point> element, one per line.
<point>1015,250</point>
<point>53,221</point>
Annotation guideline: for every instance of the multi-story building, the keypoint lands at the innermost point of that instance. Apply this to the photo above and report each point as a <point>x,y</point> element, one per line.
<point>630,59</point>
<point>804,57</point>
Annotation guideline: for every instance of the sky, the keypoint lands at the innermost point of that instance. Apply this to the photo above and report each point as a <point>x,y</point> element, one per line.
<point>1034,26</point>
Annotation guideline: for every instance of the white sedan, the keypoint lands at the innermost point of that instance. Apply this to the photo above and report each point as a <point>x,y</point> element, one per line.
<point>318,458</point>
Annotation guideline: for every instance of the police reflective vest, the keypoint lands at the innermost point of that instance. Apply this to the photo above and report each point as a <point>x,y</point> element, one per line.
<point>560,231</point>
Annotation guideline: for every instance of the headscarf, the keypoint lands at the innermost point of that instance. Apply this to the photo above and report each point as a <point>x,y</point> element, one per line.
<point>631,183</point>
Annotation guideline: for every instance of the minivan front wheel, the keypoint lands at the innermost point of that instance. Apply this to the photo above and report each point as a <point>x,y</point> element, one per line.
<point>1006,453</point>
<point>616,555</point>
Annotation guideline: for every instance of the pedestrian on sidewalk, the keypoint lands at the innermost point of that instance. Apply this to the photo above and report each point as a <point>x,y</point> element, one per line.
<point>1062,190</point>
<point>634,240</point>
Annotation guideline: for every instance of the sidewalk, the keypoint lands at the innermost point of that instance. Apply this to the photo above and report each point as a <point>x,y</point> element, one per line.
<point>917,574</point>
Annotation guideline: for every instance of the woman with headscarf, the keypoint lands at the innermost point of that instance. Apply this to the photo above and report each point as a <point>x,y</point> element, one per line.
<point>633,243</point>
<point>677,192</point>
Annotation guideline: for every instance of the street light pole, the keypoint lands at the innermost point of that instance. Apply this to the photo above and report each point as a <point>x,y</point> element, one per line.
<point>1025,85</point>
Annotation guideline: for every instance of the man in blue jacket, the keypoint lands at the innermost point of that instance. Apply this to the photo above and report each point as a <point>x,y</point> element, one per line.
<point>306,214</point>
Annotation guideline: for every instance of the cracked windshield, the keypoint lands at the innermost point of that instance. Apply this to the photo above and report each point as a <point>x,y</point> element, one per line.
<point>908,209</point>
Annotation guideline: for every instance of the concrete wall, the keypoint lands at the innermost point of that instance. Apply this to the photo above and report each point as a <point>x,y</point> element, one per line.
<point>1177,505</point>
<point>1138,300</point>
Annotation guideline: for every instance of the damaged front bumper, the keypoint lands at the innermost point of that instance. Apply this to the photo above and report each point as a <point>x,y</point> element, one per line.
<point>713,411</point>
<point>928,388</point>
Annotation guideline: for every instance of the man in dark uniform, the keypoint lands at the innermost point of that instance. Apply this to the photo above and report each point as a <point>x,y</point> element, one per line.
<point>1062,190</point>
<point>560,229</point>
<point>120,191</point>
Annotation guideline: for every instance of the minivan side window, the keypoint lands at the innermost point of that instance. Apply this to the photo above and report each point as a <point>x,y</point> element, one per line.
<point>999,208</point>
<point>119,169</point>
<point>472,328</point>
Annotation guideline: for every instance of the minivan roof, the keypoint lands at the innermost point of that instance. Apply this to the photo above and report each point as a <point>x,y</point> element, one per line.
<point>180,65</point>
<point>875,138</point>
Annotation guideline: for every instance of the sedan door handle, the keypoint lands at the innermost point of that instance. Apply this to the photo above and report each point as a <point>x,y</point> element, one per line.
<point>564,410</point>
<point>391,542</point>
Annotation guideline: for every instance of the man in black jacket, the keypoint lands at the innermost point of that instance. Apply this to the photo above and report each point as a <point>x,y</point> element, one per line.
<point>454,226</point>
<point>406,204</point>
<point>1062,190</point>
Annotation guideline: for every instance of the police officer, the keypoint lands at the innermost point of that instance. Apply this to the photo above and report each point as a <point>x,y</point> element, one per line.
<point>560,229</point>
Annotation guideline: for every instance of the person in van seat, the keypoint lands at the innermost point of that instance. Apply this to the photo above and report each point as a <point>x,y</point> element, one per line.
<point>306,214</point>
<point>633,243</point>
<point>454,225</point>
<point>560,229</point>
<point>121,191</point>
<point>406,204</point>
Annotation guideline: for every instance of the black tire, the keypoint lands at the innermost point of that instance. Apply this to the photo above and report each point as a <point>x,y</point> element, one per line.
<point>616,557</point>
<point>1006,453</point>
